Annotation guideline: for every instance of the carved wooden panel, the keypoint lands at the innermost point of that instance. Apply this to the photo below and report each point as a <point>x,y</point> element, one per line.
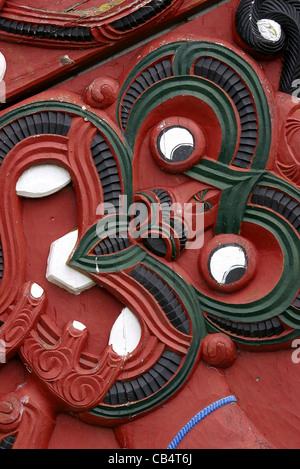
<point>149,226</point>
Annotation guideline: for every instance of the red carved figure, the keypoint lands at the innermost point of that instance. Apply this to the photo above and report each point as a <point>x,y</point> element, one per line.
<point>149,223</point>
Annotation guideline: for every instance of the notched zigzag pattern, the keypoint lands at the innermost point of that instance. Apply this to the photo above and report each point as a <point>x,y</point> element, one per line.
<point>220,74</point>
<point>141,16</point>
<point>165,202</point>
<point>260,330</point>
<point>50,122</point>
<point>111,245</point>
<point>107,170</point>
<point>46,31</point>
<point>8,442</point>
<point>148,77</point>
<point>164,296</point>
<point>147,384</point>
<point>281,204</point>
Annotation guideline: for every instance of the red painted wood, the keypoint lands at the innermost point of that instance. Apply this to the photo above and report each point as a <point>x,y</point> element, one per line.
<point>265,384</point>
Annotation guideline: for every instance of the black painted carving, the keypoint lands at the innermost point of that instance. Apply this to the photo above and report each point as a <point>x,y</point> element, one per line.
<point>141,15</point>
<point>147,384</point>
<point>164,296</point>
<point>46,31</point>
<point>287,14</point>
<point>108,172</point>
<point>230,82</point>
<point>258,330</point>
<point>111,245</point>
<point>279,202</point>
<point>57,123</point>
<point>282,204</point>
<point>8,442</point>
<point>157,72</point>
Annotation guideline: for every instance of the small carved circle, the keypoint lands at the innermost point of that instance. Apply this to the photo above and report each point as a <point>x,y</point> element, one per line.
<point>218,350</point>
<point>101,93</point>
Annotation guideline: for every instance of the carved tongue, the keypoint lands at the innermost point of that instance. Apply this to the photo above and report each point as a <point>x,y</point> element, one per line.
<point>126,333</point>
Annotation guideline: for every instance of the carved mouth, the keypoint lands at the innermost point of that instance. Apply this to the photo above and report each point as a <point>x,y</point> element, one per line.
<point>254,330</point>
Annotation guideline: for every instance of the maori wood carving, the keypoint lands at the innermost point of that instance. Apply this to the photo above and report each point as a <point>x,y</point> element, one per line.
<point>149,224</point>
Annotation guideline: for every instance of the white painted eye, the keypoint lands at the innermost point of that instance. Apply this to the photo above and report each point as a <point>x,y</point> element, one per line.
<point>126,333</point>
<point>176,144</point>
<point>269,30</point>
<point>42,180</point>
<point>228,264</point>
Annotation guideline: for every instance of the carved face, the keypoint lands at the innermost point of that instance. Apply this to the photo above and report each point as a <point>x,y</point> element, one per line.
<point>178,220</point>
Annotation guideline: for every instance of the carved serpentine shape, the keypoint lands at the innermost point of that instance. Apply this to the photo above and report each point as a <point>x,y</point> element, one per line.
<point>179,318</point>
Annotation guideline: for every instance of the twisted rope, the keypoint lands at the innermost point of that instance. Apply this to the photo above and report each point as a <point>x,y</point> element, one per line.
<point>200,416</point>
<point>287,14</point>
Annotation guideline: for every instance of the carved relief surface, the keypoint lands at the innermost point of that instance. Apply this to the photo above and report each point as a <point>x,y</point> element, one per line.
<point>149,226</point>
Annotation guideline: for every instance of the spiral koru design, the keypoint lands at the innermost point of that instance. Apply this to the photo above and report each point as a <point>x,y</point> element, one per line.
<point>283,21</point>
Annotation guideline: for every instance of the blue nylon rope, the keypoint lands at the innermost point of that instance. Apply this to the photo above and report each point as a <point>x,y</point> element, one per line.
<point>200,416</point>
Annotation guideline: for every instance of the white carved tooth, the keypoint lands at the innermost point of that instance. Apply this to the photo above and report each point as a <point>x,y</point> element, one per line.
<point>59,272</point>
<point>126,333</point>
<point>36,291</point>
<point>2,66</point>
<point>42,180</point>
<point>79,326</point>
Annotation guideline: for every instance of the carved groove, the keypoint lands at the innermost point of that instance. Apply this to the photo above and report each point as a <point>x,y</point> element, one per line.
<point>36,124</point>
<point>8,442</point>
<point>46,31</point>
<point>147,384</point>
<point>141,16</point>
<point>258,330</point>
<point>279,202</point>
<point>111,245</point>
<point>164,296</point>
<point>107,170</point>
<point>157,72</point>
<point>230,82</point>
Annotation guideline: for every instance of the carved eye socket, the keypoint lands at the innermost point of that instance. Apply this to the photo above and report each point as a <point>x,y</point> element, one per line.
<point>177,144</point>
<point>228,264</point>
